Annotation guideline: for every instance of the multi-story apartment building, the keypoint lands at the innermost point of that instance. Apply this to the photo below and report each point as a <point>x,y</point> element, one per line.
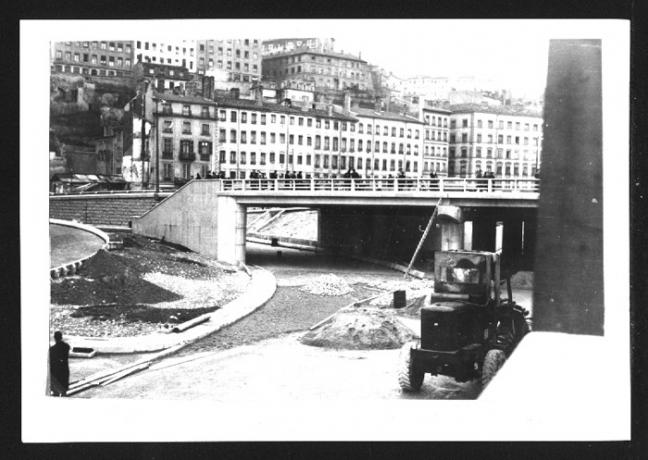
<point>97,58</point>
<point>290,137</point>
<point>489,138</point>
<point>327,70</point>
<point>163,77</point>
<point>173,52</point>
<point>435,141</point>
<point>240,58</point>
<point>386,143</point>
<point>183,131</point>
<point>318,142</point>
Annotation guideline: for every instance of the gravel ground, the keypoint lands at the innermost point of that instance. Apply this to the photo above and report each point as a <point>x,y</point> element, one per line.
<point>141,289</point>
<point>310,288</point>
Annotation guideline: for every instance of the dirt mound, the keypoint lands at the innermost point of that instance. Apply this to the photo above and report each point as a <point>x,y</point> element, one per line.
<point>108,279</point>
<point>327,285</point>
<point>364,329</point>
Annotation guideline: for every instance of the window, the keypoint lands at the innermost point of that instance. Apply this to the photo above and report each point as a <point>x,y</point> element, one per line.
<point>233,116</point>
<point>282,119</point>
<point>252,137</point>
<point>327,145</point>
<point>335,144</point>
<point>167,148</point>
<point>222,115</point>
<point>232,135</point>
<point>272,157</point>
<point>273,138</point>
<point>309,141</point>
<point>301,121</point>
<point>479,138</point>
<point>490,124</point>
<point>205,130</point>
<point>309,122</point>
<point>263,118</point>
<point>282,138</point>
<point>205,150</point>
<point>186,110</point>
<point>168,126</point>
<point>318,142</point>
<point>232,157</point>
<point>464,138</point>
<point>500,139</point>
<point>243,158</point>
<point>243,117</point>
<point>186,127</point>
<point>453,123</point>
<point>479,123</point>
<point>263,138</point>
<point>327,124</point>
<point>186,147</point>
<point>243,137</point>
<point>252,158</point>
<point>253,117</point>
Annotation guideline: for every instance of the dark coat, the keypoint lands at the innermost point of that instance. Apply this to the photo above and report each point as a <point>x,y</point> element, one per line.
<point>59,368</point>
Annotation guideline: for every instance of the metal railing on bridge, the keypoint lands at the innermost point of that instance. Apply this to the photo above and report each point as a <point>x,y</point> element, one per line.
<point>316,185</point>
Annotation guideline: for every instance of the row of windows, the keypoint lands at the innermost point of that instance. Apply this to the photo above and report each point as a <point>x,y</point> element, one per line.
<point>237,65</point>
<point>438,166</point>
<point>433,135</point>
<point>110,61</point>
<point>237,53</point>
<point>307,121</point>
<point>433,120</point>
<point>511,140</point>
<point>328,60</point>
<point>169,61</point>
<point>112,46</point>
<point>491,124</point>
<point>318,161</point>
<point>88,71</point>
<point>167,128</point>
<point>499,168</point>
<point>499,153</point>
<point>436,151</point>
<point>317,70</point>
<point>327,144</point>
<point>154,46</point>
<point>186,147</point>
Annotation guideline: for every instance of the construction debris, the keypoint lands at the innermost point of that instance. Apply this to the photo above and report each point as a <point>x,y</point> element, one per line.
<point>329,284</point>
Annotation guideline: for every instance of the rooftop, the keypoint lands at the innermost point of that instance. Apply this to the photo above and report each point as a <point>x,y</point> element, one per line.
<point>502,110</point>
<point>186,99</point>
<point>360,111</point>
<point>274,107</point>
<point>298,51</point>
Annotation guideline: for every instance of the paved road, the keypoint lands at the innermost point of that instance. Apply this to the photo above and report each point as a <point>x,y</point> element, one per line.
<point>260,356</point>
<point>68,244</point>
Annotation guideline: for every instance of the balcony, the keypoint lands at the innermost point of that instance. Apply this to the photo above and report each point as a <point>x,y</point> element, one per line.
<point>187,156</point>
<point>167,155</point>
<point>204,157</point>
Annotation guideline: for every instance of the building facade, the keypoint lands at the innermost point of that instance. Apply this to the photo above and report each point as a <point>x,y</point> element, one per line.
<point>327,70</point>
<point>96,58</point>
<point>435,141</point>
<point>318,142</point>
<point>183,135</point>
<point>240,59</point>
<point>163,77</point>
<point>180,53</point>
<point>508,144</point>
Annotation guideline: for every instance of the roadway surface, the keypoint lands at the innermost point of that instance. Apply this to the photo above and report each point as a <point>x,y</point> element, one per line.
<point>68,244</point>
<point>260,357</point>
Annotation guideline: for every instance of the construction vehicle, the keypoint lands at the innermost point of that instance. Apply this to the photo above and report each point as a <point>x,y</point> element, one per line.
<point>467,329</point>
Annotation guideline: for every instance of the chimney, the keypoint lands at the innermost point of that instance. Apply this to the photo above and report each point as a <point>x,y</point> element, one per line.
<point>347,101</point>
<point>378,105</point>
<point>235,93</point>
<point>258,92</point>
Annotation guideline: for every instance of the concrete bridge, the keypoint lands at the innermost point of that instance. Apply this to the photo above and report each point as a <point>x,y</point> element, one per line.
<point>380,218</point>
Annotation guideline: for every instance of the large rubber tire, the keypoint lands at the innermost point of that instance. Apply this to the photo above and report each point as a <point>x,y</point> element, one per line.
<point>493,361</point>
<point>410,378</point>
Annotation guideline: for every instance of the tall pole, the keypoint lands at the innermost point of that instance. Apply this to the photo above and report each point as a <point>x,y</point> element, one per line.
<point>157,146</point>
<point>143,132</point>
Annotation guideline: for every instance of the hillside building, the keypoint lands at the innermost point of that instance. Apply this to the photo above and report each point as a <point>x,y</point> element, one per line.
<point>96,58</point>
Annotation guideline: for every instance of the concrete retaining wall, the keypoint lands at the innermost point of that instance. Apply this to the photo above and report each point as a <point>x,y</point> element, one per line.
<point>108,209</point>
<point>71,268</point>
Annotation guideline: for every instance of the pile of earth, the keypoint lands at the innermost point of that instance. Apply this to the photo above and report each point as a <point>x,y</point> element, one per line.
<point>360,329</point>
<point>108,279</point>
<point>328,284</point>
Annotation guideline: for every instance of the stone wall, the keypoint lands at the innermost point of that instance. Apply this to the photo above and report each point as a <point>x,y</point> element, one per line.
<point>117,209</point>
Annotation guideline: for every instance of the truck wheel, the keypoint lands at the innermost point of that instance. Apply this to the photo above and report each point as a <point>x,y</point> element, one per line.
<point>410,378</point>
<point>493,361</point>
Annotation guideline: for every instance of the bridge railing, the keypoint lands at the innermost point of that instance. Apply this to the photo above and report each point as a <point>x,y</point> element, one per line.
<point>381,185</point>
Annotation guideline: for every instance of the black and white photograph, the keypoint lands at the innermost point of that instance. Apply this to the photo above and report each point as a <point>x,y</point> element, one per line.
<point>325,230</point>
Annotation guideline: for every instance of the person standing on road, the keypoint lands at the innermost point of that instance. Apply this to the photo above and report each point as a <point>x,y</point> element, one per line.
<point>59,366</point>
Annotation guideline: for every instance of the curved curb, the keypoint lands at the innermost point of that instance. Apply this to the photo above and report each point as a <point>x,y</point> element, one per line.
<point>262,287</point>
<point>71,268</point>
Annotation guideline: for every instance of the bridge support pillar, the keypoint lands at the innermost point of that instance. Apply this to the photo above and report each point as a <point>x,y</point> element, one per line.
<point>231,228</point>
<point>452,236</point>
